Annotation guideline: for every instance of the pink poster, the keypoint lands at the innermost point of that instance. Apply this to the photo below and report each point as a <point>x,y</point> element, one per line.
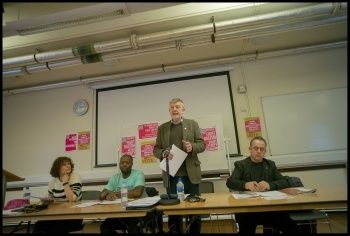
<point>84,140</point>
<point>128,146</point>
<point>148,130</point>
<point>147,156</point>
<point>210,139</point>
<point>252,127</point>
<point>71,142</point>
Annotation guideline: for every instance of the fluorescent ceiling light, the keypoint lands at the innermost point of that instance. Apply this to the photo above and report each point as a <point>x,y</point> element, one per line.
<point>71,18</point>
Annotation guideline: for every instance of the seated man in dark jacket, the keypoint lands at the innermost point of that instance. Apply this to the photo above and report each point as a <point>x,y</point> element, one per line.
<point>256,173</point>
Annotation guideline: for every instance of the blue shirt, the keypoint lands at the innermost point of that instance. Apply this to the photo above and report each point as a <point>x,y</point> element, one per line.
<point>136,178</point>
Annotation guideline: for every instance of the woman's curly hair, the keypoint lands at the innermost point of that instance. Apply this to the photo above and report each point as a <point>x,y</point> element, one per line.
<point>56,166</point>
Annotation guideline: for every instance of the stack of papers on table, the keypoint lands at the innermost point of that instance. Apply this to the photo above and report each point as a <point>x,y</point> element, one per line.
<point>268,195</point>
<point>295,191</point>
<point>142,203</point>
<point>91,203</point>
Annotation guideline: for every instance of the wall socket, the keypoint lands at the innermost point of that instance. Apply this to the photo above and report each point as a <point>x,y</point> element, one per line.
<point>242,89</point>
<point>243,109</point>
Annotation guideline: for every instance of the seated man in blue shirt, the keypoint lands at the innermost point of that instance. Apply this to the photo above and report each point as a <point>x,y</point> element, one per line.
<point>135,181</point>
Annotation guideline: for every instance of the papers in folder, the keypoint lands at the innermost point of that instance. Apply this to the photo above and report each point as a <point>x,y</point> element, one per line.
<point>176,162</point>
<point>142,203</point>
<point>268,195</point>
<point>295,191</point>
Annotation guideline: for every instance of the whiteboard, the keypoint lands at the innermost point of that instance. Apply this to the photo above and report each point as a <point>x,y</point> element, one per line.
<point>212,160</point>
<point>306,122</point>
<point>203,95</point>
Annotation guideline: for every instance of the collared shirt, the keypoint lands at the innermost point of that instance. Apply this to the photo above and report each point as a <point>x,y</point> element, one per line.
<point>181,120</point>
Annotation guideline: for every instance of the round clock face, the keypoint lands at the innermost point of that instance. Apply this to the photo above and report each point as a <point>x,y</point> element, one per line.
<point>80,107</point>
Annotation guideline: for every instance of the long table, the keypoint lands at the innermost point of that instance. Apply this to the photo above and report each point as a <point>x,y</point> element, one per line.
<point>65,210</point>
<point>222,203</point>
<point>332,197</point>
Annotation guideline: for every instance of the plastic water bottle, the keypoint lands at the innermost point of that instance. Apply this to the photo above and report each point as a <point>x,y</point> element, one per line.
<point>124,194</point>
<point>26,193</point>
<point>180,190</point>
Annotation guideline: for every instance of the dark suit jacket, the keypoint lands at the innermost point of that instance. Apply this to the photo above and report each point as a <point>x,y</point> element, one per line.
<point>242,174</point>
<point>191,133</point>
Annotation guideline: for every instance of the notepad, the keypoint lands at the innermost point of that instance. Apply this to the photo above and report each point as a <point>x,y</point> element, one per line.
<point>142,203</point>
<point>269,195</point>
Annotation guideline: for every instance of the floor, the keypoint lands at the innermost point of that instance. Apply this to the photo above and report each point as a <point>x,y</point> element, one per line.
<point>338,222</point>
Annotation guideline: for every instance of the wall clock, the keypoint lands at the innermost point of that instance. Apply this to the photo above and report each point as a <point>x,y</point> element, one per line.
<point>80,107</point>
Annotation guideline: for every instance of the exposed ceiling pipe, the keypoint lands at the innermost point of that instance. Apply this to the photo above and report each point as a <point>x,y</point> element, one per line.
<point>248,57</point>
<point>170,46</point>
<point>68,57</point>
<point>243,58</point>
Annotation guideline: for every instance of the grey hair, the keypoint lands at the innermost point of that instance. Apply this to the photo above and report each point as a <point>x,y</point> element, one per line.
<point>175,100</point>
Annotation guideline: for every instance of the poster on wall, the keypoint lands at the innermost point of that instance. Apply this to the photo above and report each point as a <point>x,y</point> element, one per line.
<point>84,140</point>
<point>77,141</point>
<point>147,156</point>
<point>148,130</point>
<point>71,142</point>
<point>252,127</point>
<point>129,146</point>
<point>210,139</point>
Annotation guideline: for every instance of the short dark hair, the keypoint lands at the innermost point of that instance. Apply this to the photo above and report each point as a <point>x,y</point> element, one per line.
<point>258,138</point>
<point>56,166</point>
<point>128,155</point>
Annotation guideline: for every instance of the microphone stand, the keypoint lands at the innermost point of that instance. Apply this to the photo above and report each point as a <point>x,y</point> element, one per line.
<point>168,201</point>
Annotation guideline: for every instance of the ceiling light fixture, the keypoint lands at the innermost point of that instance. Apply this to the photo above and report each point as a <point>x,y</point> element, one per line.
<point>66,19</point>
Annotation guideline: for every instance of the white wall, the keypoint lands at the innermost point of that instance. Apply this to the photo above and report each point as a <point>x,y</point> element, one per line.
<point>35,124</point>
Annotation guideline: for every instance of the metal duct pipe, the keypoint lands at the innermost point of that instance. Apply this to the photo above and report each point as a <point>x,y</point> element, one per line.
<point>150,39</point>
<point>171,45</point>
<point>195,65</point>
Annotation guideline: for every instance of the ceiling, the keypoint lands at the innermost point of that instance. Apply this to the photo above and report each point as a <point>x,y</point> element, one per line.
<point>153,37</point>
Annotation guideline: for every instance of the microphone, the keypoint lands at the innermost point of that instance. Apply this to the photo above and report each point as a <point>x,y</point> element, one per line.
<point>167,151</point>
<point>168,199</point>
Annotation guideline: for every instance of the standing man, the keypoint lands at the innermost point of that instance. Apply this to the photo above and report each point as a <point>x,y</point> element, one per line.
<point>184,134</point>
<point>256,173</point>
<point>135,181</point>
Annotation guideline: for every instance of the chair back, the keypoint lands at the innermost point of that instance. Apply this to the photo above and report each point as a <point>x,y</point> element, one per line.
<point>151,191</point>
<point>295,182</point>
<point>206,187</point>
<point>90,194</point>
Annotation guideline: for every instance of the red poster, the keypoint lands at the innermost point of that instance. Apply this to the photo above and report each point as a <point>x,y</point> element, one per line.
<point>210,139</point>
<point>84,140</point>
<point>147,156</point>
<point>71,142</point>
<point>128,146</point>
<point>148,130</point>
<point>252,127</point>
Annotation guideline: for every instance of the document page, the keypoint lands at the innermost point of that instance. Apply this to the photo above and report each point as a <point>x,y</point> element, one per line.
<point>268,195</point>
<point>175,163</point>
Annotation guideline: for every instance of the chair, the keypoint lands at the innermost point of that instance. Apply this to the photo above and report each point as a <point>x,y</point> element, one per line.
<point>208,187</point>
<point>310,218</point>
<point>307,217</point>
<point>90,195</point>
<point>154,219</point>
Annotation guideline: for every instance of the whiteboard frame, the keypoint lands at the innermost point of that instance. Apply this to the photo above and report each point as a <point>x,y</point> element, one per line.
<point>162,109</point>
<point>306,122</point>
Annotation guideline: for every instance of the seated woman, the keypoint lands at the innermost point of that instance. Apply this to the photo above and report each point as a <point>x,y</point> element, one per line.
<point>65,186</point>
